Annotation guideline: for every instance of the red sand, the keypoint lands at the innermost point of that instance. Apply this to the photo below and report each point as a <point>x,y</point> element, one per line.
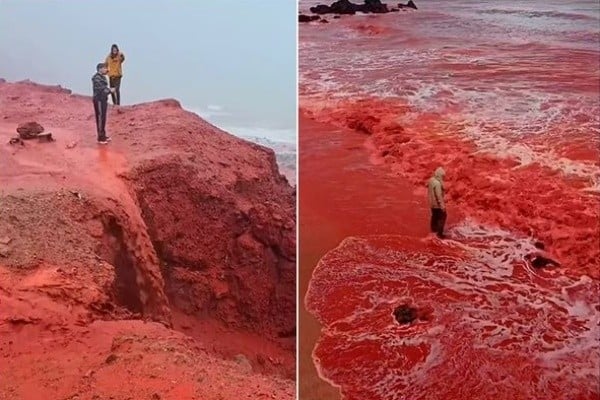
<point>165,258</point>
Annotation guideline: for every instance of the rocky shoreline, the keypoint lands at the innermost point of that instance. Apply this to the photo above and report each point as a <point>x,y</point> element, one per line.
<point>346,7</point>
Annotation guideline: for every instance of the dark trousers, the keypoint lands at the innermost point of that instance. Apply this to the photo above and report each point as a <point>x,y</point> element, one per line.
<point>115,82</point>
<point>100,107</point>
<point>438,220</point>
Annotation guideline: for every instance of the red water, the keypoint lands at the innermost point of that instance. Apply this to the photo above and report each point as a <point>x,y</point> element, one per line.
<point>496,329</point>
<point>512,113</point>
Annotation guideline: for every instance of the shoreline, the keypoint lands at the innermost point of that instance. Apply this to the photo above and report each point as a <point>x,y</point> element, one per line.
<point>391,202</point>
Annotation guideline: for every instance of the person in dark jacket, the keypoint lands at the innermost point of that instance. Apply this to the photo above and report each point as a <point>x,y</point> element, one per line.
<point>100,98</point>
<point>114,62</point>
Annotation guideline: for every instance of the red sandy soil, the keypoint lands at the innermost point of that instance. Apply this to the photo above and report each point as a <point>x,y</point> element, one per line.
<point>165,260</point>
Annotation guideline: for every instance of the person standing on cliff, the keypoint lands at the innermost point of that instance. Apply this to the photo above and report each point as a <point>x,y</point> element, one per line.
<point>115,61</point>
<point>435,194</point>
<point>100,98</point>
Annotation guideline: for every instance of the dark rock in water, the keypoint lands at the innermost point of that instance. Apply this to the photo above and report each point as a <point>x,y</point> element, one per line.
<point>321,9</point>
<point>336,17</point>
<point>375,6</point>
<point>343,7</point>
<point>29,130</point>
<point>308,18</point>
<point>410,4</point>
<point>540,258</point>
<point>405,314</point>
<point>349,8</point>
<point>539,261</point>
<point>324,21</point>
<point>394,10</point>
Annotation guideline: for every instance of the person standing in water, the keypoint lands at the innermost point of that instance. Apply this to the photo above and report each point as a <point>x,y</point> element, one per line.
<point>115,61</point>
<point>435,194</point>
<point>100,98</point>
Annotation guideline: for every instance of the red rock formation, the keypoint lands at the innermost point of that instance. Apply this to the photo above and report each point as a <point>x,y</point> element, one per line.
<point>175,221</point>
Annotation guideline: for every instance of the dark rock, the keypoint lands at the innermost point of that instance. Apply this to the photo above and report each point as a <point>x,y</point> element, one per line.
<point>29,130</point>
<point>111,358</point>
<point>336,17</point>
<point>346,7</point>
<point>324,21</point>
<point>308,18</point>
<point>375,6</point>
<point>394,10</point>
<point>541,260</point>
<point>343,7</point>
<point>321,9</point>
<point>410,4</point>
<point>405,314</point>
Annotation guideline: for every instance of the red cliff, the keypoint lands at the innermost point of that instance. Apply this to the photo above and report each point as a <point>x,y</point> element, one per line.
<point>166,258</point>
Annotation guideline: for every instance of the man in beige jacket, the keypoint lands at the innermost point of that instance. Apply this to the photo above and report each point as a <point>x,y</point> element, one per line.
<point>435,194</point>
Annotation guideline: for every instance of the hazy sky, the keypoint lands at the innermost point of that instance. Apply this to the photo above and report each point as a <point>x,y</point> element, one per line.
<point>231,61</point>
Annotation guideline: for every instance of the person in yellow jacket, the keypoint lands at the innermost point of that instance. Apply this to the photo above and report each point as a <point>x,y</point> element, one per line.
<point>115,61</point>
<point>435,195</point>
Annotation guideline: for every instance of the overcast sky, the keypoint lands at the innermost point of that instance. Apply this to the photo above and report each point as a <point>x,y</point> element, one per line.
<point>231,61</point>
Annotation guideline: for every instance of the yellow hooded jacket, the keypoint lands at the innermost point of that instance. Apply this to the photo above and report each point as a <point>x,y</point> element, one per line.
<point>114,64</point>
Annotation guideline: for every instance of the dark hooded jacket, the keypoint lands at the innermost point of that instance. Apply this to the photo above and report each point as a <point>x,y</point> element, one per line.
<point>100,86</point>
